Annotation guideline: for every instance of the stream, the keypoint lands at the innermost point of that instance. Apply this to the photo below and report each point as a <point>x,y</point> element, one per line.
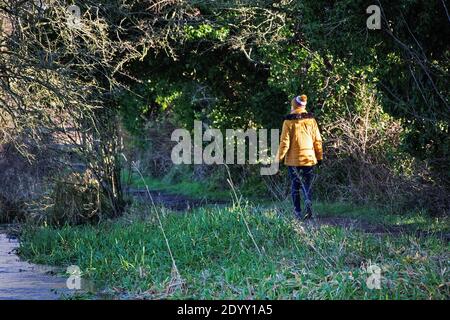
<point>20,280</point>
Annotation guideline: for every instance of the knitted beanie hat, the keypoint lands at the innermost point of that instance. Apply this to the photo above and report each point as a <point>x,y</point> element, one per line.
<point>301,100</point>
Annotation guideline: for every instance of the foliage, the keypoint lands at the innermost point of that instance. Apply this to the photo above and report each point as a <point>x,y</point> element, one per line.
<point>239,66</point>
<point>232,64</point>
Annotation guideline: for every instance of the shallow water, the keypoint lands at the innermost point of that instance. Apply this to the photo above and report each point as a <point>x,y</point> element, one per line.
<point>20,280</point>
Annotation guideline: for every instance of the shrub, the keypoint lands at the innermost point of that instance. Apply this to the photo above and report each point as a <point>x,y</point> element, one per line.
<point>77,199</point>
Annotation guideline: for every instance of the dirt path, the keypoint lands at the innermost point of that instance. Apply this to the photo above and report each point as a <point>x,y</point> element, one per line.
<point>179,202</point>
<point>20,280</point>
<point>175,202</point>
<point>376,228</point>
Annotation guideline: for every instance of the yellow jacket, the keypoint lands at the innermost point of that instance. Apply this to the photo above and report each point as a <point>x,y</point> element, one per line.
<point>301,143</point>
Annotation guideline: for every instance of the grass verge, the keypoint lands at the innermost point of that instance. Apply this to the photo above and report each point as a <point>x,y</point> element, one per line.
<point>216,257</point>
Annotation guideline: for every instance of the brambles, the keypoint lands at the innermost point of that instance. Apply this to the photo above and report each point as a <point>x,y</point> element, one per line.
<point>77,198</point>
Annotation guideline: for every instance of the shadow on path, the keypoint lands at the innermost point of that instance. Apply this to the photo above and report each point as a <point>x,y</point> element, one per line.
<point>176,202</point>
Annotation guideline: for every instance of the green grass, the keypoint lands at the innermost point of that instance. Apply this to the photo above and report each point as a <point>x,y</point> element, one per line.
<point>217,258</point>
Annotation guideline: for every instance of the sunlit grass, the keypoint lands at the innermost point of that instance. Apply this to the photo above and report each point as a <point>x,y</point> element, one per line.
<point>216,257</point>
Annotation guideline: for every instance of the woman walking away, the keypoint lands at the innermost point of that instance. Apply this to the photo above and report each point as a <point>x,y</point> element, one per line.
<point>301,149</point>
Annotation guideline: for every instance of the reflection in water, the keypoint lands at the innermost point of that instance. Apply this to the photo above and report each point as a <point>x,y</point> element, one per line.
<point>22,280</point>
